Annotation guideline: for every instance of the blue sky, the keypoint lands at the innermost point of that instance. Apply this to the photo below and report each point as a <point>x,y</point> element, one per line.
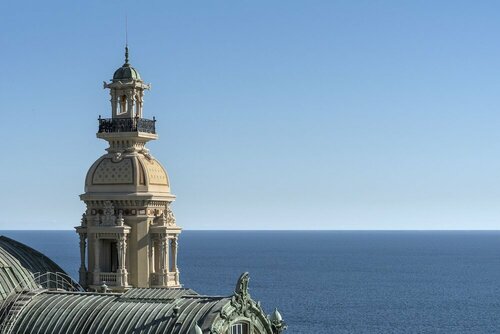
<point>271,114</point>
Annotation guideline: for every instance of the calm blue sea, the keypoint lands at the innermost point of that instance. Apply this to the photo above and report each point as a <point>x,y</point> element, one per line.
<point>339,282</point>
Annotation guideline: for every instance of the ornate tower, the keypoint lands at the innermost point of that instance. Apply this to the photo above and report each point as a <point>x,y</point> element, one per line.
<point>128,233</point>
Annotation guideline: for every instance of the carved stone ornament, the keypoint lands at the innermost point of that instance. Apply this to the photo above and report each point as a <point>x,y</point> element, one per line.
<point>120,221</point>
<point>170,217</point>
<point>241,300</point>
<point>243,308</point>
<point>242,286</point>
<point>146,153</point>
<point>84,220</point>
<point>278,326</point>
<point>117,157</point>
<point>97,220</point>
<point>108,218</point>
<point>161,220</point>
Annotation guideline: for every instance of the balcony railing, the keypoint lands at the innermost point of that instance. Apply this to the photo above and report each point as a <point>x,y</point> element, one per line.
<point>109,278</point>
<point>109,125</point>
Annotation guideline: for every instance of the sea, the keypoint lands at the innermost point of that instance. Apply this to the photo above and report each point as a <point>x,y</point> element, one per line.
<point>328,282</point>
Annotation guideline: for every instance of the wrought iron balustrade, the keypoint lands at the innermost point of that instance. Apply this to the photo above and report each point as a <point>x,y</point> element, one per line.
<point>108,125</point>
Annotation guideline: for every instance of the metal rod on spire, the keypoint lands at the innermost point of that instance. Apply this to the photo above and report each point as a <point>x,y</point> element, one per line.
<point>126,55</point>
<point>126,38</point>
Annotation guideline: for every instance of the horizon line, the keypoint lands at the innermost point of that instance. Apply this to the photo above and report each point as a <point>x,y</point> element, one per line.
<point>298,230</point>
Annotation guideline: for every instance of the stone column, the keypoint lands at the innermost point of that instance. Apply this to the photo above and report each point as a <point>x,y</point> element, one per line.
<point>97,268</point>
<point>164,259</point>
<point>114,103</point>
<point>167,253</point>
<point>139,104</point>
<point>121,245</point>
<point>175,245</point>
<point>133,111</point>
<point>83,270</point>
<point>130,105</point>
<point>158,256</point>
<point>151,256</point>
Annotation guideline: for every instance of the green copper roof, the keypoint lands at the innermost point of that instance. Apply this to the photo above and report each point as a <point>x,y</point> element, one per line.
<point>173,311</point>
<point>19,265</point>
<point>126,72</point>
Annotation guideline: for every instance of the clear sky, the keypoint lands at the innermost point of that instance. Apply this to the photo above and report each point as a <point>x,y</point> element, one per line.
<point>271,114</point>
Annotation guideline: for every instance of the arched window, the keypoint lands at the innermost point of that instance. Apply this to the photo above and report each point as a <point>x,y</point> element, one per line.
<point>123,104</point>
<point>137,104</point>
<point>240,328</point>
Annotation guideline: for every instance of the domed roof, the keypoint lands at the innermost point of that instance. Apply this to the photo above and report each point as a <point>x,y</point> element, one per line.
<point>132,172</point>
<point>276,316</point>
<point>126,72</point>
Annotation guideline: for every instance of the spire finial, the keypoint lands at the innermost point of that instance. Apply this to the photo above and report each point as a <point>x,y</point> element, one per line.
<point>126,54</point>
<point>126,39</point>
